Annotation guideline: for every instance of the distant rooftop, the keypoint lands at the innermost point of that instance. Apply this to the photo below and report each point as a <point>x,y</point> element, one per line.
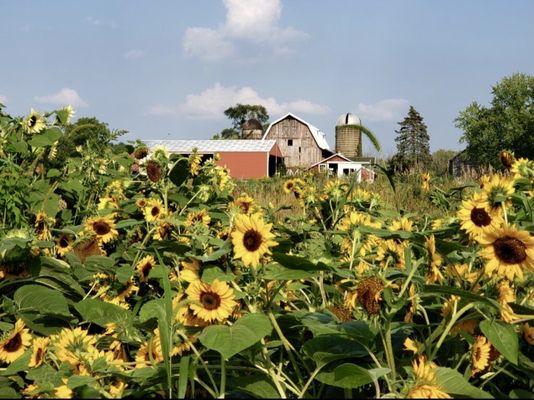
<point>213,146</point>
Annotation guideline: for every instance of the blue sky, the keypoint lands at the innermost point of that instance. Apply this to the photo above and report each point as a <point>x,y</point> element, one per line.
<point>168,69</point>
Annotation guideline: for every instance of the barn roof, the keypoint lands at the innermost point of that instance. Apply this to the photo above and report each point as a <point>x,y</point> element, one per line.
<point>318,135</point>
<point>213,146</point>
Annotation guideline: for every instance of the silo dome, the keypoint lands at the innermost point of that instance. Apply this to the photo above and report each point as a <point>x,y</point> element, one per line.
<point>348,119</point>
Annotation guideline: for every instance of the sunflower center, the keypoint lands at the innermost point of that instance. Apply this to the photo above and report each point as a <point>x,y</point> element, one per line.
<point>210,300</point>
<point>63,242</point>
<point>101,228</point>
<point>40,227</point>
<point>480,217</point>
<point>38,356</point>
<point>32,121</point>
<point>252,240</point>
<point>145,269</point>
<point>510,250</point>
<point>13,344</point>
<point>155,211</point>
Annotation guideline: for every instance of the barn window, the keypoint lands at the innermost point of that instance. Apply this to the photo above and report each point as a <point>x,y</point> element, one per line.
<point>300,150</point>
<point>290,142</point>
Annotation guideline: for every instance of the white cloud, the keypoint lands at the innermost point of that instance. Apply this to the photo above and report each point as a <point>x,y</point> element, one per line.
<point>3,99</point>
<point>251,23</point>
<point>384,110</point>
<point>211,103</point>
<point>134,54</point>
<point>64,97</point>
<point>206,44</point>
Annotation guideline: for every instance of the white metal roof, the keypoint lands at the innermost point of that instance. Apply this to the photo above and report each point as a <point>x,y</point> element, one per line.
<point>318,135</point>
<point>346,160</point>
<point>213,146</point>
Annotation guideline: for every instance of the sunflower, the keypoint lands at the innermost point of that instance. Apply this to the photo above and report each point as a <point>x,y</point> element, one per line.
<point>14,344</point>
<point>162,231</point>
<point>480,354</point>
<point>87,248</point>
<point>153,170</point>
<point>507,159</point>
<point>508,251</point>
<point>528,333</point>
<point>198,217</point>
<point>34,122</point>
<point>401,224</point>
<point>42,228</point>
<point>427,392</point>
<point>412,345</point>
<point>245,203</point>
<point>289,185</point>
<point>194,161</point>
<point>75,347</point>
<point>506,296</point>
<point>390,252</point>
<point>150,352</point>
<point>434,275</point>
<point>153,210</point>
<point>38,351</point>
<point>462,272</point>
<point>102,227</point>
<point>425,182</point>
<point>63,244</point>
<point>252,238</point>
<point>63,391</point>
<point>140,152</point>
<point>368,293</point>
<point>211,302</point>
<point>185,315</point>
<point>477,217</point>
<point>498,190</point>
<point>144,266</point>
<point>190,271</point>
<point>425,381</point>
<point>523,168</point>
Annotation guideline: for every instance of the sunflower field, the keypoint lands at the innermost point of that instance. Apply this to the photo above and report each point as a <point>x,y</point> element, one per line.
<point>149,275</point>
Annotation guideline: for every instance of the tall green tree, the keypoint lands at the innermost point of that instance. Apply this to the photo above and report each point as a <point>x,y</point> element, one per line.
<point>240,113</point>
<point>413,147</point>
<point>507,124</point>
<point>86,131</point>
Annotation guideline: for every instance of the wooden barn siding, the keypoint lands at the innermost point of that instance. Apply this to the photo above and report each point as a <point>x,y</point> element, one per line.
<point>290,128</point>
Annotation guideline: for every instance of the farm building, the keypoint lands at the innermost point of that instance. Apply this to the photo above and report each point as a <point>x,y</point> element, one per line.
<point>301,143</point>
<point>243,158</point>
<point>339,165</point>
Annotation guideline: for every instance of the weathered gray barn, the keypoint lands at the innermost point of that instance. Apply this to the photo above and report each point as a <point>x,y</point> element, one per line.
<point>301,143</point>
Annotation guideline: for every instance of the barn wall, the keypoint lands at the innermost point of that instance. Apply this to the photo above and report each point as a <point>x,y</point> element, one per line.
<point>291,128</point>
<point>244,165</point>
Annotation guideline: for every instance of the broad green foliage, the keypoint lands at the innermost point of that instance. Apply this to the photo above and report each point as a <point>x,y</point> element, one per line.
<point>149,274</point>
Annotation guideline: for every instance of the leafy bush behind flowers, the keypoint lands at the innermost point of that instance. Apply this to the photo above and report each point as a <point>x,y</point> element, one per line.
<point>145,274</point>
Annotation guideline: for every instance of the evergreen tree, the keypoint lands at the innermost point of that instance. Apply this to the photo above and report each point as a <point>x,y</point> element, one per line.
<point>413,146</point>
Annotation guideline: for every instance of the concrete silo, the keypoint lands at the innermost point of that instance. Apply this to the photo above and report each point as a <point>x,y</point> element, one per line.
<point>349,136</point>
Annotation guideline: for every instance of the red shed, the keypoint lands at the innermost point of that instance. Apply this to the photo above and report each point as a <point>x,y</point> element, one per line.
<point>244,158</point>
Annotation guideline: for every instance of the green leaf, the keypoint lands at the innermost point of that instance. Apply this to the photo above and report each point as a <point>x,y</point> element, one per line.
<point>257,385</point>
<point>152,309</point>
<point>211,273</point>
<point>76,381</point>
<point>452,382</point>
<point>276,272</point>
<point>350,376</point>
<point>184,374</point>
<point>20,364</point>
<point>230,340</point>
<point>358,330</point>
<point>179,172</point>
<point>128,223</point>
<point>46,139</point>
<point>42,299</point>
<point>503,338</point>
<point>324,349</point>
<point>299,263</point>
<point>101,313</point>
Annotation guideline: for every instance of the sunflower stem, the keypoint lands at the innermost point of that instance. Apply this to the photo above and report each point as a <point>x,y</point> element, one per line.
<point>222,387</point>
